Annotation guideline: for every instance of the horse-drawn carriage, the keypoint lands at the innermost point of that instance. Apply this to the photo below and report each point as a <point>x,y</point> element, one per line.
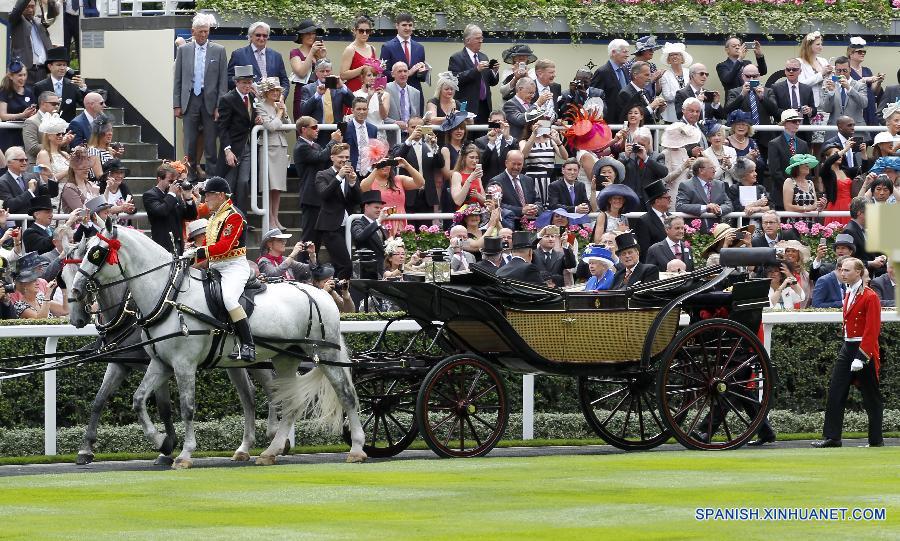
<point>640,379</point>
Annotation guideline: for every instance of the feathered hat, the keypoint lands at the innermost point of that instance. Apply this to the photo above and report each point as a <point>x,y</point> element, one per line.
<point>588,130</point>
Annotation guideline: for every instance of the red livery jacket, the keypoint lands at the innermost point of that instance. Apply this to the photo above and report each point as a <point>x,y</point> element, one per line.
<point>862,319</point>
<point>224,235</point>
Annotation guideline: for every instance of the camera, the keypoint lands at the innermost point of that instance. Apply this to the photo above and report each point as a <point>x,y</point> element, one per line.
<point>8,287</point>
<point>117,145</point>
<point>709,94</point>
<point>857,140</point>
<point>750,46</point>
<point>637,148</point>
<point>320,33</point>
<point>342,126</point>
<point>493,63</point>
<point>342,285</point>
<point>331,82</point>
<point>494,125</point>
<point>186,185</point>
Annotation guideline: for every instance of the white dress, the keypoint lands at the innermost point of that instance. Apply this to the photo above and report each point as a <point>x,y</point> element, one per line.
<point>810,76</point>
<point>670,86</point>
<point>278,146</point>
<point>722,174</point>
<point>675,158</point>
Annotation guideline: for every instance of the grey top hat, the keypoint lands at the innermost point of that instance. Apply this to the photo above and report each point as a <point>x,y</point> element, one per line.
<point>845,239</point>
<point>96,204</point>
<point>243,72</point>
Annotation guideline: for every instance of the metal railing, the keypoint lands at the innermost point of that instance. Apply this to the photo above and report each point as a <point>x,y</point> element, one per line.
<point>139,8</point>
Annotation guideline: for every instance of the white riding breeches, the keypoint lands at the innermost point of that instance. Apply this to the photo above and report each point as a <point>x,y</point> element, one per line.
<point>235,273</point>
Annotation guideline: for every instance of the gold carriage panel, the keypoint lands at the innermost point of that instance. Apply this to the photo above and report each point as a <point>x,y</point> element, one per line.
<point>479,335</point>
<point>592,337</point>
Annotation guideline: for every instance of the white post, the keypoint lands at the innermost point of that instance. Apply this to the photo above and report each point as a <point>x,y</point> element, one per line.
<point>528,407</point>
<point>50,401</point>
<point>767,337</point>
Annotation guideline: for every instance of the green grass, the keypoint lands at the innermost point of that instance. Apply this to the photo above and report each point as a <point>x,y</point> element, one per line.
<point>622,496</point>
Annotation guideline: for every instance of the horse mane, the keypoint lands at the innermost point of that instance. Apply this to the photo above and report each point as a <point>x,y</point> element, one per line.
<point>128,235</point>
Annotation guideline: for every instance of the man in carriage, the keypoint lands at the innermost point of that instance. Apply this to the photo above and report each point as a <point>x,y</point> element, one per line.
<point>226,251</point>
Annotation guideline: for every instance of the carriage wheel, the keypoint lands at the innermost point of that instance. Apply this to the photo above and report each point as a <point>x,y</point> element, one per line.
<point>714,385</point>
<point>461,409</point>
<point>623,410</point>
<point>387,402</point>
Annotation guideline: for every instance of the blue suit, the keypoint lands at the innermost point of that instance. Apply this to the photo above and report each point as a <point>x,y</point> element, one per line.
<point>274,66</point>
<point>828,292</point>
<point>392,52</point>
<point>350,139</point>
<point>600,284</point>
<point>81,128</point>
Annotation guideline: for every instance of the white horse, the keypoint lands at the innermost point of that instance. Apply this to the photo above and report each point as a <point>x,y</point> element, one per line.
<point>291,315</point>
<point>120,323</point>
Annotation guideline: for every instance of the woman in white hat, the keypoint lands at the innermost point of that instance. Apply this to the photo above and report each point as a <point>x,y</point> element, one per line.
<point>856,52</point>
<point>53,138</point>
<point>674,140</point>
<point>443,103</point>
<point>674,79</point>
<point>273,113</point>
<point>273,263</point>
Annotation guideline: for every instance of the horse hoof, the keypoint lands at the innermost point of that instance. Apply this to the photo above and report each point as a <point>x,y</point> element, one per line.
<point>287,447</point>
<point>168,445</point>
<point>182,464</point>
<point>240,456</point>
<point>266,460</point>
<point>84,459</point>
<point>355,457</point>
<point>163,460</point>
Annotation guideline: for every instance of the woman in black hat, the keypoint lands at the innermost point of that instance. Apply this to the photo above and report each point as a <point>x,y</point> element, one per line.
<point>311,49</point>
<point>452,137</point>
<point>116,192</point>
<point>33,296</point>
<point>519,56</point>
<point>16,102</point>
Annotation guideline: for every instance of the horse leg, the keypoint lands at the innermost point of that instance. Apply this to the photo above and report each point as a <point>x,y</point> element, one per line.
<point>244,386</point>
<point>113,378</point>
<point>266,378</point>
<point>157,374</point>
<point>186,377</point>
<point>285,385</point>
<point>164,405</point>
<point>346,393</point>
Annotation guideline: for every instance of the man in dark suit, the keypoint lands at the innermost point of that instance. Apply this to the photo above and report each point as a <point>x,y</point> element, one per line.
<point>790,93</point>
<point>29,40</point>
<point>642,166</point>
<point>703,194</point>
<point>424,156</point>
<point>757,100</point>
<point>359,132</point>
<point>520,195</point>
<point>781,148</point>
<point>17,187</point>
<point>266,62</point>
<point>635,93</point>
<point>495,145</point>
<point>167,208</point>
<point>476,75</point>
<point>884,287</point>
<point>730,69</point>
<point>853,162</point>
<point>544,80</point>
<point>339,192</point>
<point>366,230</point>
<point>891,95</point>
<point>843,247</point>
<point>71,92</point>
<point>405,49</point>
<point>711,99</point>
<point>856,228</point>
<point>611,77</point>
<point>38,237</point>
<point>315,98</point>
<point>309,158</point>
<point>80,126</point>
<point>672,247</point>
<point>201,79</point>
<point>579,91</point>
<point>630,270</point>
<point>551,262</point>
<point>650,228</point>
<point>515,108</point>
<point>491,259</point>
<point>771,233</point>
<point>237,116</point>
<point>567,193</point>
<point>829,291</point>
<point>520,266</point>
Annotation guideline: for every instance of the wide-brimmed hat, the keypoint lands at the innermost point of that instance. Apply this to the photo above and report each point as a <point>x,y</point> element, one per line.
<point>57,54</point>
<point>679,135</point>
<point>451,122</point>
<point>491,245</point>
<point>655,190</point>
<point>856,43</point>
<point>114,165</point>
<point>520,49</point>
<point>796,245</point>
<point>80,159</point>
<point>612,162</point>
<point>305,27</point>
<point>546,217</point>
<point>216,184</point>
<point>646,43</point>
<point>196,227</point>
<point>321,272</point>
<point>886,162</point>
<point>720,231</point>
<point>523,239</point>
<point>273,233</point>
<point>890,109</point>
<point>626,241</point>
<point>40,202</point>
<point>885,137</point>
<point>371,196</point>
<point>845,239</point>
<point>98,203</point>
<point>789,114</point>
<point>243,72</point>
<point>30,267</point>
<point>632,201</point>
<point>588,130</point>
<point>801,159</point>
<point>737,116</point>
<point>673,48</point>
<point>267,84</point>
<point>53,124</point>
<point>596,252</point>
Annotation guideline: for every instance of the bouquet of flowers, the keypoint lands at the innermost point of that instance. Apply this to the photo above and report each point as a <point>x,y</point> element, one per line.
<point>696,238</point>
<point>811,236</point>
<point>582,232</point>
<point>424,238</point>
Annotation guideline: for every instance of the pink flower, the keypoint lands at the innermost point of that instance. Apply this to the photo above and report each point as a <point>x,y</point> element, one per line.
<point>786,227</point>
<point>388,226</point>
<point>410,228</point>
<point>434,229</point>
<point>816,228</point>
<point>896,4</point>
<point>583,234</point>
<point>696,223</point>
<point>827,232</point>
<point>423,229</point>
<point>837,226</point>
<point>689,230</point>
<point>687,244</point>
<point>801,228</point>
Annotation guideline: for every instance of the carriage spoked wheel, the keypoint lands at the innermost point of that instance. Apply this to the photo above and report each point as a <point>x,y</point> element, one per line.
<point>714,385</point>
<point>462,407</point>
<point>387,402</point>
<point>623,410</point>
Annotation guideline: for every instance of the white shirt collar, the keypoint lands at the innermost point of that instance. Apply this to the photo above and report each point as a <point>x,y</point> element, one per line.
<point>659,213</point>
<point>256,51</point>
<point>55,80</point>
<point>671,242</point>
<point>470,52</point>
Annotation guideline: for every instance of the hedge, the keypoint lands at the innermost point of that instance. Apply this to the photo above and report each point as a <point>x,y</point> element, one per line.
<point>802,355</point>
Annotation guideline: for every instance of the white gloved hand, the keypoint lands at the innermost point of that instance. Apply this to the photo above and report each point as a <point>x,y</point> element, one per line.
<point>189,253</point>
<point>856,365</point>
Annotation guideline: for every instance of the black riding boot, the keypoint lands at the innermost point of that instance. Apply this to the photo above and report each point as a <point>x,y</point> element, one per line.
<point>247,351</point>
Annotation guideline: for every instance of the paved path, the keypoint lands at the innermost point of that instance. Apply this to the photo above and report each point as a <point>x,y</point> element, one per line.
<point>322,458</point>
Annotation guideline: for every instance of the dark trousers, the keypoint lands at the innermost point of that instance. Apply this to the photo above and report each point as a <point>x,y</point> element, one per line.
<point>71,32</point>
<point>336,244</point>
<point>194,118</point>
<point>36,73</point>
<point>483,112</point>
<point>238,177</point>
<point>308,217</point>
<point>841,379</point>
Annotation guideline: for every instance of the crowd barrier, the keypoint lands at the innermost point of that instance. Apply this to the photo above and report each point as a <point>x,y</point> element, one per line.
<point>54,332</point>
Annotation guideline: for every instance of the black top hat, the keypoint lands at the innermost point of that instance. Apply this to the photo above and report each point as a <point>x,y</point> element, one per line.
<point>523,239</point>
<point>115,165</point>
<point>655,190</point>
<point>492,246</point>
<point>216,184</point>
<point>371,196</point>
<point>626,241</point>
<point>57,54</point>
<point>321,272</point>
<point>305,27</point>
<point>41,202</point>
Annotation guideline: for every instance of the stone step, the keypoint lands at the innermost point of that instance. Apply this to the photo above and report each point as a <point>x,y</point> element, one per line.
<point>117,114</point>
<point>141,168</point>
<point>127,133</point>
<point>140,151</point>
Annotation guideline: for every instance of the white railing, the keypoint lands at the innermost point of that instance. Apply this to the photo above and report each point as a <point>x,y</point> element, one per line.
<point>135,8</point>
<point>53,332</point>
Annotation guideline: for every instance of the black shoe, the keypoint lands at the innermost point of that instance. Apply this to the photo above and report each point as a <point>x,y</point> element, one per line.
<point>759,442</point>
<point>827,442</point>
<point>247,351</point>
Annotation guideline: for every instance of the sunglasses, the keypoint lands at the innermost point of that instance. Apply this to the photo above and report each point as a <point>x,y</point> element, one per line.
<point>316,127</point>
<point>364,30</point>
<point>860,52</point>
<point>18,159</point>
<point>791,70</point>
<point>703,73</point>
<point>261,35</point>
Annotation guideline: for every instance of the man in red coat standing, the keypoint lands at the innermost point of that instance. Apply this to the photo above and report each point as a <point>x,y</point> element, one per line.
<point>858,360</point>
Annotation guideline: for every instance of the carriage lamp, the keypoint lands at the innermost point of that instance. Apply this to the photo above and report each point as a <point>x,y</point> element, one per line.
<point>364,265</point>
<point>882,224</point>
<point>438,270</point>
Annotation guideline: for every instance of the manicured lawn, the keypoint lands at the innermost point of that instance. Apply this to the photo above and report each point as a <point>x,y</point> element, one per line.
<point>650,495</point>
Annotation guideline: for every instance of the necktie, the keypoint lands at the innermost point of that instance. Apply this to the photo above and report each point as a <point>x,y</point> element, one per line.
<point>50,232</point>
<point>792,146</point>
<point>754,108</point>
<point>21,183</point>
<point>621,77</point>
<point>843,98</point>
<point>76,5</point>
<point>404,104</point>
<point>417,148</point>
<point>327,108</point>
<point>519,192</point>
<point>247,104</point>
<point>547,258</point>
<point>572,194</point>
<point>199,71</point>
<point>406,52</point>
<point>708,187</point>
<point>57,88</point>
<point>677,250</point>
<point>261,62</point>
<point>849,157</point>
<point>795,100</point>
<point>627,275</point>
<point>772,243</point>
<point>482,91</point>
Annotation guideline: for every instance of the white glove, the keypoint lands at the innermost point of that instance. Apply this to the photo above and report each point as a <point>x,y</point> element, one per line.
<point>189,253</point>
<point>856,365</point>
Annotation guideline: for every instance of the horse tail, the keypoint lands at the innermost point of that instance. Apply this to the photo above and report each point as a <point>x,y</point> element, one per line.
<point>312,396</point>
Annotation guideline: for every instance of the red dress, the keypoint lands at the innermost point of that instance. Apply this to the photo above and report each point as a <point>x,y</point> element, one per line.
<point>842,199</point>
<point>476,186</point>
<point>357,62</point>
